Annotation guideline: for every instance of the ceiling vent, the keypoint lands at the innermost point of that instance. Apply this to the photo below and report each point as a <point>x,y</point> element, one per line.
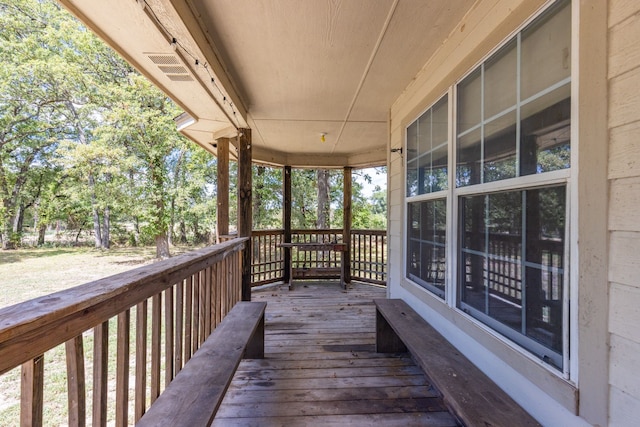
<point>170,65</point>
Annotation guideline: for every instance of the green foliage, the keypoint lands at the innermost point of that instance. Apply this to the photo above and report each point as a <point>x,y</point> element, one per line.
<point>88,142</point>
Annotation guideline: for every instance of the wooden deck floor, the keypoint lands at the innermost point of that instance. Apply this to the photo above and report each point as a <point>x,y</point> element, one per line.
<point>321,367</point>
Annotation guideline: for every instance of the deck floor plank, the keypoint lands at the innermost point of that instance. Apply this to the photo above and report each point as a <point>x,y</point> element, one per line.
<point>321,367</point>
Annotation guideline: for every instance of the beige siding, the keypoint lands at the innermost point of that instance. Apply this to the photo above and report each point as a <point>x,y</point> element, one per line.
<point>624,223</point>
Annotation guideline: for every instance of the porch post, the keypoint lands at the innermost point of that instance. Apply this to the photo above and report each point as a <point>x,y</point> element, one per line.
<point>286,220</point>
<point>222,211</point>
<point>244,207</point>
<point>346,233</point>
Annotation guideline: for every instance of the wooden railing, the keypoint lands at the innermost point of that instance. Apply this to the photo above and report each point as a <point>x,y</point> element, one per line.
<point>368,254</point>
<point>267,262</point>
<point>174,304</point>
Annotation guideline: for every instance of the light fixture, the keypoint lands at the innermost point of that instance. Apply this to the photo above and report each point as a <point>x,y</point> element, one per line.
<point>396,150</point>
<point>323,137</point>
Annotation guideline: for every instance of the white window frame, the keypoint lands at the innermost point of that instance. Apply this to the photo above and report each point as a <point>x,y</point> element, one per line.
<point>453,193</point>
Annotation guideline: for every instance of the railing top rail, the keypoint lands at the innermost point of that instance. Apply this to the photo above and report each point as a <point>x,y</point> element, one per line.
<point>317,230</point>
<point>370,232</point>
<point>267,232</point>
<point>32,327</point>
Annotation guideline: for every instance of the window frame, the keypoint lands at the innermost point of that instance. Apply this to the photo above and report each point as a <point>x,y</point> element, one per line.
<point>453,194</point>
<point>436,195</point>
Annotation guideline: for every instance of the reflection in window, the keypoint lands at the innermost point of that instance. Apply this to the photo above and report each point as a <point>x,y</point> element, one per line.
<point>512,265</point>
<point>426,251</point>
<point>427,151</point>
<point>514,109</point>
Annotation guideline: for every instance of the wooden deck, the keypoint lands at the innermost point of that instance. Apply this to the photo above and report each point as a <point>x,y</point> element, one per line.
<point>321,367</point>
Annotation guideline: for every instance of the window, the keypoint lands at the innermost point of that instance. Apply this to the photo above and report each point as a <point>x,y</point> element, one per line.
<point>427,180</point>
<point>508,182</point>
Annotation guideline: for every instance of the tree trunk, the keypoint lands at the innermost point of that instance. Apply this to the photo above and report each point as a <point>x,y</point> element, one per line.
<point>183,232</point>
<point>172,221</point>
<point>162,246</point>
<point>136,228</point>
<point>42,230</point>
<point>159,221</point>
<point>197,237</point>
<point>106,228</point>
<point>96,215</point>
<point>18,222</point>
<point>323,199</point>
<point>8,238</point>
<point>257,198</point>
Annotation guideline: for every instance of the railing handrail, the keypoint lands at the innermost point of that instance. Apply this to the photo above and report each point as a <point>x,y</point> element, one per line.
<point>30,328</point>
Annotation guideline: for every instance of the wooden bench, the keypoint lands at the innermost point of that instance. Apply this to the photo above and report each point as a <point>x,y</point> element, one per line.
<point>470,394</point>
<point>194,396</point>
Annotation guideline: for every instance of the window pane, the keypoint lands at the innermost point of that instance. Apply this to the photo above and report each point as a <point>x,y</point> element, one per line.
<point>424,172</point>
<point>426,244</point>
<point>469,91</point>
<point>500,148</point>
<point>440,122</point>
<point>545,133</point>
<point>545,265</point>
<point>512,265</point>
<point>424,133</point>
<point>427,157</point>
<point>439,168</point>
<point>546,52</point>
<point>412,164</point>
<point>469,153</point>
<point>500,80</point>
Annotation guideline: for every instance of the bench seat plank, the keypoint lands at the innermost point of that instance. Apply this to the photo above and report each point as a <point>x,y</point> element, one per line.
<point>194,395</point>
<point>471,395</point>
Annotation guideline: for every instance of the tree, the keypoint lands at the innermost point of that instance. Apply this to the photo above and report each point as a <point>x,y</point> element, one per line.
<point>34,83</point>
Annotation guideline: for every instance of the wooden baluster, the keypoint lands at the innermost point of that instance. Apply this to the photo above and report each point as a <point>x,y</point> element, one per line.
<point>221,286</point>
<point>196,313</point>
<point>179,331</point>
<point>156,326</point>
<point>206,312</point>
<point>141,360</point>
<point>188,316</point>
<point>100,374</point>
<point>32,386</point>
<point>212,300</point>
<point>168,336</point>
<point>122,369</point>
<point>215,291</point>
<point>227,279</point>
<point>203,307</point>
<point>370,249</point>
<point>75,382</point>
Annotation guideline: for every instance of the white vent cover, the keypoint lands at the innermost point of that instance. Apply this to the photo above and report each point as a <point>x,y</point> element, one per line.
<point>170,65</point>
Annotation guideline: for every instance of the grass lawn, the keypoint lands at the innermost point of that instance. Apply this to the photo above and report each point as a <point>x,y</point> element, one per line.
<point>30,273</point>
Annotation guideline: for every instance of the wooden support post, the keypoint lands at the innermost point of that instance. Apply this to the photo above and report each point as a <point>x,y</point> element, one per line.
<point>100,374</point>
<point>245,210</point>
<point>222,172</point>
<point>75,382</point>
<point>286,221</point>
<point>31,399</point>
<point>346,234</point>
<point>387,341</point>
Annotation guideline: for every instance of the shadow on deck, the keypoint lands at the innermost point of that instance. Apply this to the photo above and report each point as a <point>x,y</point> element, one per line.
<point>321,367</point>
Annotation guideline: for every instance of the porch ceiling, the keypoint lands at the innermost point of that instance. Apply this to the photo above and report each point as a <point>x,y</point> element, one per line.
<point>290,70</point>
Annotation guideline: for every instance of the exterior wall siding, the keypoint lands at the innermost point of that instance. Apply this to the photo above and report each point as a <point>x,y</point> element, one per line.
<point>624,220</point>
